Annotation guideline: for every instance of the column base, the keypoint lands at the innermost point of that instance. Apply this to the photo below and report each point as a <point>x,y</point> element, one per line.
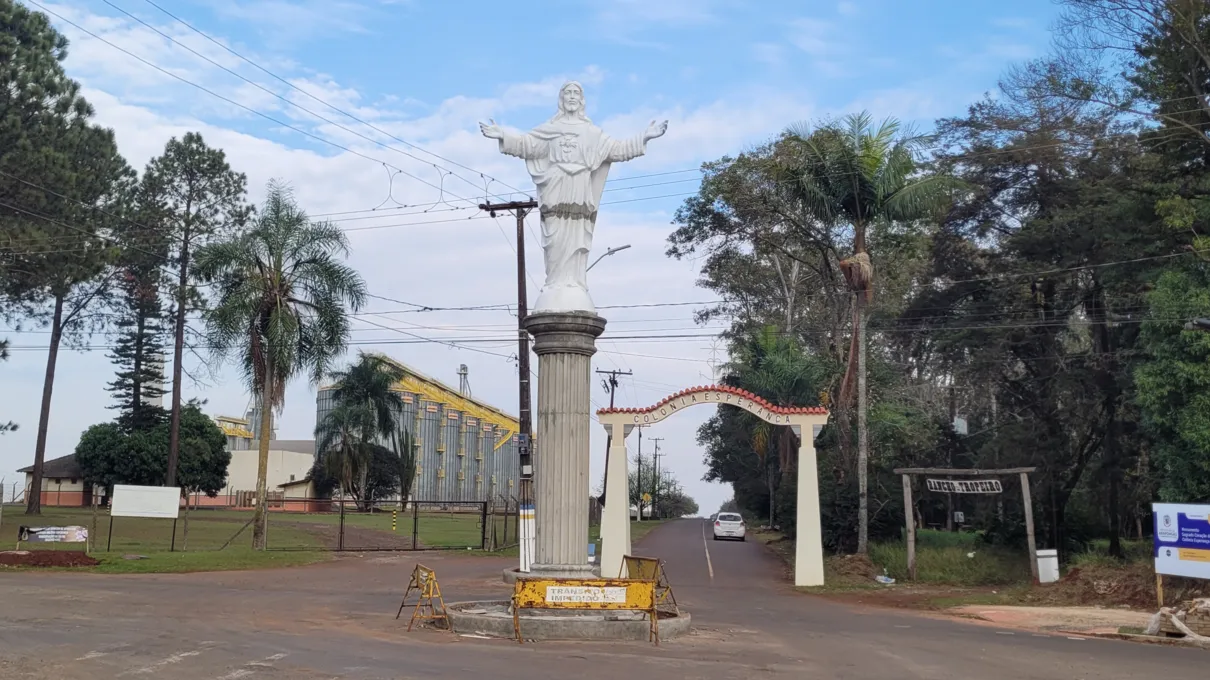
<point>542,571</point>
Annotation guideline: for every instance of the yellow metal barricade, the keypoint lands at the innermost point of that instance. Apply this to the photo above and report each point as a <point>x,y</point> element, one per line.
<point>424,582</point>
<point>590,594</point>
<point>652,569</point>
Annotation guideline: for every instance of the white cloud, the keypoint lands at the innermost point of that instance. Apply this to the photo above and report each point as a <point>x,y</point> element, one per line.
<point>638,14</point>
<point>1021,23</point>
<point>847,8</point>
<point>288,21</point>
<point>771,54</point>
<point>816,37</point>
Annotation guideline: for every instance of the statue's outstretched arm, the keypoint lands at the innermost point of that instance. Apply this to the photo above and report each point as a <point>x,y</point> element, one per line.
<point>524,145</point>
<point>626,149</point>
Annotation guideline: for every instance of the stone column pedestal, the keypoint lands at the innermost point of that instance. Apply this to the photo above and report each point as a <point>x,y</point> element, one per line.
<point>564,343</point>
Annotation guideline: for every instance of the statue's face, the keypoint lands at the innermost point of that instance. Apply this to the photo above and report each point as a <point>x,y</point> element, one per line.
<point>572,99</point>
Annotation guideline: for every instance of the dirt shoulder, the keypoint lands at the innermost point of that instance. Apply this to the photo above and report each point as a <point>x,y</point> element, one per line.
<point>1094,599</point>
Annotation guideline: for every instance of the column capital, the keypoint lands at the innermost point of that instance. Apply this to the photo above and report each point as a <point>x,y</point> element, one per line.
<point>565,332</point>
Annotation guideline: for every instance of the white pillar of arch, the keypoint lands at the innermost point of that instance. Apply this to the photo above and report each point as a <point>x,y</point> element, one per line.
<point>808,546</point>
<point>615,517</point>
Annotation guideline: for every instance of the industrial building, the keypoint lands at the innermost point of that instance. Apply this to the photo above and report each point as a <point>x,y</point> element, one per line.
<point>467,450</point>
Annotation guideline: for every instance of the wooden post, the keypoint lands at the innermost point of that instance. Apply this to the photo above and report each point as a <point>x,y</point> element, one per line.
<point>1029,526</point>
<point>1159,589</point>
<point>910,520</point>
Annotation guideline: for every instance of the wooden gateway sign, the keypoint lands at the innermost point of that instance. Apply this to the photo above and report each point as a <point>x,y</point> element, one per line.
<point>964,485</point>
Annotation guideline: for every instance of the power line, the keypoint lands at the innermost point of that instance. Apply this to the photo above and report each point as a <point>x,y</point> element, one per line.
<point>232,101</point>
<point>317,99</point>
<point>290,102</point>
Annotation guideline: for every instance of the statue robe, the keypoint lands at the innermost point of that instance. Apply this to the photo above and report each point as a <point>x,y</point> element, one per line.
<point>569,161</point>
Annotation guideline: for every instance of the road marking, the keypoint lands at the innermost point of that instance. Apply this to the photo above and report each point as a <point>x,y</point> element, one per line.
<point>1075,638</point>
<point>92,655</point>
<point>266,662</point>
<point>901,626</point>
<point>1004,632</point>
<point>172,659</point>
<point>236,674</point>
<point>706,546</point>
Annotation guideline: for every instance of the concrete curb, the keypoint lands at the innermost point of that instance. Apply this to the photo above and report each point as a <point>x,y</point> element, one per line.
<point>559,628</point>
<point>1146,639</point>
<point>513,574</point>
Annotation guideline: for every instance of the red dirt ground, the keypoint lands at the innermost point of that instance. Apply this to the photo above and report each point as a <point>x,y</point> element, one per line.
<point>47,558</point>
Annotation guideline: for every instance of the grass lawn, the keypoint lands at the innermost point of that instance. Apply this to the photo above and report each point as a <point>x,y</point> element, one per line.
<point>231,559</point>
<point>299,538</point>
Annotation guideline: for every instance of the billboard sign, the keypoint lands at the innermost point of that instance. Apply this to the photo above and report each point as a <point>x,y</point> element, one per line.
<point>71,534</point>
<point>162,502</point>
<point>1182,539</point>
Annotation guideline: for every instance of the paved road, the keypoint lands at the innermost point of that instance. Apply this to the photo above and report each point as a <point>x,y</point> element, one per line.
<point>335,620</point>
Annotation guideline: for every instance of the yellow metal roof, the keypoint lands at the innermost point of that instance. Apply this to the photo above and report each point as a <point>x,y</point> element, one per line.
<point>432,389</point>
<point>234,427</point>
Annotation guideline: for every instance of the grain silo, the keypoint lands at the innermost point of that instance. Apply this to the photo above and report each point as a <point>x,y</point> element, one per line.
<point>467,449</point>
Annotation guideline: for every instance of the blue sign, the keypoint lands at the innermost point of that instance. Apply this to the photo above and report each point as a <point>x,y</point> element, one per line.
<point>1182,539</point>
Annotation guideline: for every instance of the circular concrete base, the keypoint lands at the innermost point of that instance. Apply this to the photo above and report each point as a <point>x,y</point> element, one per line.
<point>494,618</point>
<point>511,575</point>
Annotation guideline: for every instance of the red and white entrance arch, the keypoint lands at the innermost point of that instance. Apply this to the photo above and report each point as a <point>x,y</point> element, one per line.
<point>806,422</point>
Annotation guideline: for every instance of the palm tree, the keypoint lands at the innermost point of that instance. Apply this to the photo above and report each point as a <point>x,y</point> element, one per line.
<point>771,365</point>
<point>849,173</point>
<point>283,298</point>
<point>365,392</point>
<point>341,445</point>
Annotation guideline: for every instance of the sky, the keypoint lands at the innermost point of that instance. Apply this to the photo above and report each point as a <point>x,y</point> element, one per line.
<point>369,108</point>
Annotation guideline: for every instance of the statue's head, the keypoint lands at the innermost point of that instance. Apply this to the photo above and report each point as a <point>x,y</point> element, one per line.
<point>571,100</point>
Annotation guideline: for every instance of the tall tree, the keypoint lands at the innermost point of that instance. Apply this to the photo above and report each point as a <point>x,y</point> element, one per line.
<point>138,349</point>
<point>341,450</point>
<point>367,387</point>
<point>855,174</point>
<point>62,182</point>
<point>200,200</point>
<point>283,296</point>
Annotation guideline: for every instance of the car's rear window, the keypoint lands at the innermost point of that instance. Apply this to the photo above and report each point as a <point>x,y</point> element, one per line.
<point>729,517</point>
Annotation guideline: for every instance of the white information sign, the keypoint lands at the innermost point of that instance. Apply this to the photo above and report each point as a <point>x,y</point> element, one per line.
<point>1182,539</point>
<point>585,594</point>
<point>162,502</point>
<point>964,485</point>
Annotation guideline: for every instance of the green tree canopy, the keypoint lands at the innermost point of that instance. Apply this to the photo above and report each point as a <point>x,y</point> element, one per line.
<point>283,297</point>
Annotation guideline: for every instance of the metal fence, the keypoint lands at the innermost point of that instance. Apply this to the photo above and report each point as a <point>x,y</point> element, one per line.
<point>356,526</point>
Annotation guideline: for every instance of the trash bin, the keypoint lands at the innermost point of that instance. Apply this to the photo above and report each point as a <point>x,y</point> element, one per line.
<point>1048,566</point>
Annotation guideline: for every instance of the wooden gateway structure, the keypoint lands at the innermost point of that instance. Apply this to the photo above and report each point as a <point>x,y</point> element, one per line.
<point>967,486</point>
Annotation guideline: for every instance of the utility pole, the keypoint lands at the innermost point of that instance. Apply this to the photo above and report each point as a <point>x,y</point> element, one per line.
<point>611,386</point>
<point>525,450</point>
<point>655,489</point>
<point>520,209</point>
<point>949,497</point>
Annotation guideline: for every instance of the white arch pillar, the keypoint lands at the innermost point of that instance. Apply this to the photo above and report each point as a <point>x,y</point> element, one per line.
<point>806,422</point>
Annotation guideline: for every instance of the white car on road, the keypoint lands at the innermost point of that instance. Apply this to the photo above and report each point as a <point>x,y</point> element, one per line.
<point>729,525</point>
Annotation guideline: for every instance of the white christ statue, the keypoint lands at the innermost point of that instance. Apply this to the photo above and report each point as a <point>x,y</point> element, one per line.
<point>569,158</point>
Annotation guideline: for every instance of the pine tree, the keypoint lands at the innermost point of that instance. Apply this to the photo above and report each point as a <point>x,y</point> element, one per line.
<point>138,352</point>
<point>139,349</point>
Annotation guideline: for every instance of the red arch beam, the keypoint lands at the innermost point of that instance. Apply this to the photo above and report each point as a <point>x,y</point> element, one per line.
<point>716,394</point>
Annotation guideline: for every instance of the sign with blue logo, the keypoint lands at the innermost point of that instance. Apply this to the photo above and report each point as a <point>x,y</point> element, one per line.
<point>1182,539</point>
